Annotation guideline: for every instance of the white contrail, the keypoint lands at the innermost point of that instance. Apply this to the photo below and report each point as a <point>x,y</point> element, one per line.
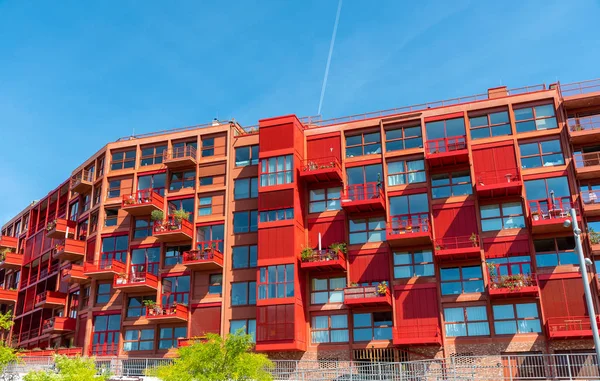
<point>335,25</point>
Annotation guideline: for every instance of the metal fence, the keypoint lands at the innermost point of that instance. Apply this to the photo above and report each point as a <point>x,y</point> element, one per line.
<point>456,368</point>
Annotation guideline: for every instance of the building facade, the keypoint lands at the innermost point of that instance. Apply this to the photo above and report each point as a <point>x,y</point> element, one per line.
<point>426,231</point>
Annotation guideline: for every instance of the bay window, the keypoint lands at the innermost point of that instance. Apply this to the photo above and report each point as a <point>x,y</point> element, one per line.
<point>277,171</point>
<point>276,282</point>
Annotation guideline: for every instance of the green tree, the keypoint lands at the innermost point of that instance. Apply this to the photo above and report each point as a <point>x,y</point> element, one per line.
<point>7,354</point>
<point>69,369</point>
<point>217,359</point>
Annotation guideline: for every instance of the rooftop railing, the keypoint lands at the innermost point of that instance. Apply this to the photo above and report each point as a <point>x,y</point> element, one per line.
<point>578,88</point>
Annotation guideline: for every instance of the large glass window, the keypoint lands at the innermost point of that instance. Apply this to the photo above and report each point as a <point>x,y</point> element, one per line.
<point>445,128</point>
<point>555,251</point>
<point>215,284</point>
<point>535,118</point>
<point>246,156</point>
<point>145,260</point>
<point>205,205</point>
<point>321,200</point>
<point>363,144</point>
<point>520,264</point>
<point>403,138</point>
<point>175,289</point>
<point>414,204</point>
<point>502,216</point>
<point>372,326</point>
<point>135,305</point>
<point>545,153</point>
<point>466,321</point>
<point>406,172</point>
<point>114,248</point>
<point>510,319</point>
<point>413,264</point>
<point>210,233</point>
<point>186,204</point>
<point>122,160</point>
<point>181,180</point>
<point>245,222</point>
<point>105,340</point>
<point>247,326</point>
<point>367,230</point>
<point>492,124</point>
<point>152,155</point>
<point>155,182</point>
<point>451,184</point>
<point>114,189</point>
<point>142,228</point>
<point>276,282</point>
<point>174,254</point>
<point>103,293</point>
<point>327,290</point>
<point>329,329</point>
<point>365,174</point>
<point>277,215</point>
<point>244,256</point>
<point>461,280</point>
<point>277,170</point>
<point>138,340</point>
<point>243,293</point>
<point>245,188</point>
<point>169,336</point>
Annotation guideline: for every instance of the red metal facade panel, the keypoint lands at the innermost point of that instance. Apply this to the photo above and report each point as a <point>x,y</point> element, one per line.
<point>494,159</point>
<point>275,322</point>
<point>205,320</point>
<point>369,268</point>
<point>275,242</point>
<point>91,247</point>
<point>417,303</point>
<point>276,199</point>
<point>331,232</point>
<point>325,147</point>
<point>455,220</point>
<point>276,137</point>
<point>563,297</point>
<point>514,245</point>
<point>81,333</point>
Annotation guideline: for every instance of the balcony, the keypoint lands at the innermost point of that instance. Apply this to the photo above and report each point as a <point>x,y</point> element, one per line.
<point>50,299</point>
<point>464,247</point>
<point>409,230</point>
<point>498,183</point>
<point>447,151</point>
<point>176,313</point>
<point>587,165</point>
<point>74,274</point>
<point>173,229</point>
<point>104,269</point>
<point>136,281</point>
<point>82,182</point>
<point>321,170</point>
<point>8,296</point>
<point>59,324</point>
<point>7,242</point>
<point>360,198</point>
<point>60,228</point>
<point>417,334</point>
<point>591,202</point>
<point>548,216</point>
<point>367,296</point>
<point>142,202</point>
<point>584,130</point>
<point>209,257</point>
<point>70,250</point>
<point>180,157</point>
<point>519,285</point>
<point>581,94</point>
<point>570,327</point>
<point>323,260</point>
<point>11,261</point>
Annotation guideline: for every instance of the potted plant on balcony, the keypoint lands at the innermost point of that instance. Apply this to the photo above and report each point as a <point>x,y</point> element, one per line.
<point>594,236</point>
<point>338,246</point>
<point>491,269</point>
<point>157,215</point>
<point>51,226</point>
<point>130,200</point>
<point>382,288</point>
<point>307,254</point>
<point>121,278</point>
<point>473,239</point>
<point>180,215</point>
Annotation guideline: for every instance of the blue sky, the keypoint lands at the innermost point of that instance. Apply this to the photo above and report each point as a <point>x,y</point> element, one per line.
<point>75,76</point>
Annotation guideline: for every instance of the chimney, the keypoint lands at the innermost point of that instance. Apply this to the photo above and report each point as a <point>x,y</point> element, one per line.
<point>497,92</point>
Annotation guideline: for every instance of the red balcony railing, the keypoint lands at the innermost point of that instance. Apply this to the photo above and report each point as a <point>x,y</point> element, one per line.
<point>136,278</point>
<point>177,311</point>
<point>173,225</point>
<point>588,159</point>
<point>208,254</point>
<point>409,223</point>
<point>59,323</point>
<point>417,333</point>
<point>330,162</point>
<point>106,266</point>
<point>362,192</point>
<point>549,209</point>
<point>498,176</point>
<point>570,326</point>
<point>587,123</point>
<point>73,273</point>
<point>443,145</point>
<point>85,178</point>
<point>145,197</point>
<point>511,277</point>
<point>324,255</point>
<point>7,242</point>
<point>60,228</point>
<point>454,243</point>
<point>578,88</point>
<point>69,249</point>
<point>179,153</point>
<point>590,197</point>
<point>366,295</point>
<point>11,260</point>
<point>106,349</point>
<point>51,297</point>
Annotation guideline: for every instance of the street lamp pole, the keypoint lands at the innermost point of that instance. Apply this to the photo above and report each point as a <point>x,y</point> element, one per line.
<point>586,284</point>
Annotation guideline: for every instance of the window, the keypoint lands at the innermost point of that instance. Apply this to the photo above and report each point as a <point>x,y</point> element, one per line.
<point>276,282</point>
<point>461,280</point>
<point>365,174</point>
<point>244,256</point>
<point>175,289</point>
<point>215,284</point>
<point>85,297</point>
<point>555,251</point>
<point>152,155</point>
<point>243,293</point>
<point>411,208</point>
<point>329,329</point>
<point>142,229</point>
<point>138,340</point>
<point>136,307</point>
<point>210,233</point>
<point>103,292</point>
<point>168,337</point>
<point>174,254</point>
<point>367,230</point>
<point>246,156</point>
<point>97,195</point>
<point>245,222</point>
<point>321,200</point>
<point>363,144</point>
<point>145,260</point>
<point>155,182</point>
<point>406,172</point>
<point>373,326</point>
<point>502,216</point>
<point>122,160</point>
<point>86,201</point>
<point>205,206</point>
<point>114,188</point>
<point>114,248</point>
<point>541,154</point>
<point>466,321</point>
<point>451,184</point>
<point>445,129</point>
<point>412,264</point>
<point>327,290</point>
<point>277,215</point>
<point>106,335</point>
<point>208,147</point>
<point>535,118</point>
<point>245,188</point>
<point>247,326</point>
<point>520,264</point>
<point>540,189</point>
<point>181,180</point>
<point>510,319</point>
<point>277,171</point>
<point>403,138</point>
<point>207,180</point>
<point>100,168</point>
<point>74,211</point>
<point>187,204</point>
<point>492,124</point>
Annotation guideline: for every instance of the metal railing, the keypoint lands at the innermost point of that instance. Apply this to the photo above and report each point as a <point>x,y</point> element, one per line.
<point>583,87</point>
<point>324,255</point>
<point>498,176</point>
<point>141,197</point>
<point>584,124</point>
<point>551,208</point>
<point>590,196</point>
<point>588,159</point>
<point>362,192</point>
<point>443,145</point>
<point>84,175</point>
<point>321,163</point>
<point>409,223</point>
<point>177,153</point>
<point>173,225</point>
<point>462,242</point>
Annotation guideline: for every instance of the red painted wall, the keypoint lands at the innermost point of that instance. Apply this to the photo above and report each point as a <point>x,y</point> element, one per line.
<point>501,159</point>
<point>563,297</point>
<point>506,246</point>
<point>205,320</point>
<point>332,230</point>
<point>369,267</point>
<point>276,200</point>
<point>454,220</point>
<point>416,304</point>
<point>322,148</point>
<point>275,242</point>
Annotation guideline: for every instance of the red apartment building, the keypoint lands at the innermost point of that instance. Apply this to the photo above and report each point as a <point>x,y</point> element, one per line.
<point>418,232</point>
